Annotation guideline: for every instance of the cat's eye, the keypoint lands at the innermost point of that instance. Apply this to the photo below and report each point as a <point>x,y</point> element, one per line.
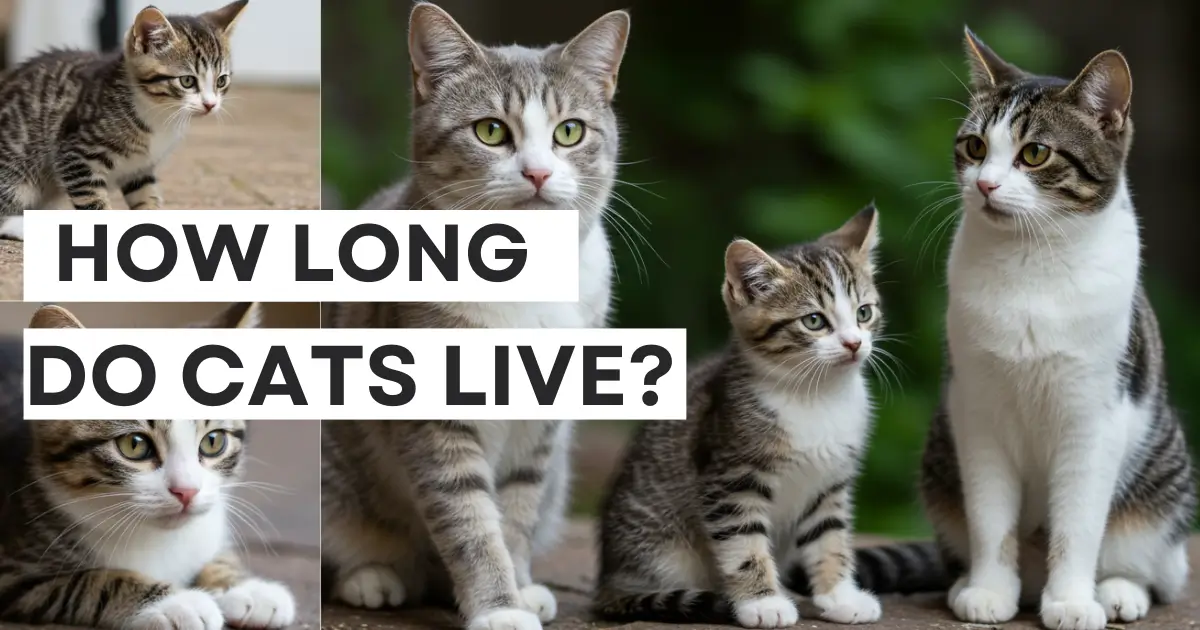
<point>976,148</point>
<point>865,313</point>
<point>222,81</point>
<point>1034,154</point>
<point>814,321</point>
<point>213,444</point>
<point>188,82</point>
<point>135,447</point>
<point>491,132</point>
<point>569,133</point>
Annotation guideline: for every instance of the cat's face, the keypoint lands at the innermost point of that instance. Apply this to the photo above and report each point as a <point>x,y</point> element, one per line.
<point>514,127</point>
<point>811,310</point>
<point>1036,149</point>
<point>181,65</point>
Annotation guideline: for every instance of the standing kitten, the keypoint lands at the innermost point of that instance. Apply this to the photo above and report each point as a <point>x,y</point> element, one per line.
<point>124,524</point>
<point>1076,479</point>
<point>419,512</point>
<point>760,475</point>
<point>75,123</point>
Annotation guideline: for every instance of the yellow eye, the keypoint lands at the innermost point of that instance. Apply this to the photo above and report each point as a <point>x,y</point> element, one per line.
<point>213,444</point>
<point>569,133</point>
<point>135,447</point>
<point>1034,154</point>
<point>491,132</point>
<point>976,147</point>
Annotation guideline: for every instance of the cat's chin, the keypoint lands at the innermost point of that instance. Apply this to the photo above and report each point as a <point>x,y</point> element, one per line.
<point>178,519</point>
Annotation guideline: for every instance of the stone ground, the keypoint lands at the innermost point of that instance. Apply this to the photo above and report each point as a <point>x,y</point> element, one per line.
<point>570,573</point>
<point>263,154</point>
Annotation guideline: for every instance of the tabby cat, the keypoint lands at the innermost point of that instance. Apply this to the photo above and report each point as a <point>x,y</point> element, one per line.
<point>75,123</point>
<point>703,513</point>
<point>1075,482</point>
<point>123,524</point>
<point>452,512</point>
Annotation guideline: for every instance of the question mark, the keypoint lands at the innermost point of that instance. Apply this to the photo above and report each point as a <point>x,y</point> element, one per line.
<point>664,365</point>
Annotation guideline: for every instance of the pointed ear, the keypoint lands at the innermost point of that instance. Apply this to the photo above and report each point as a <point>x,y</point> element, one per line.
<point>750,272</point>
<point>599,48</point>
<point>151,32</point>
<point>437,46</point>
<point>54,317</point>
<point>240,315</point>
<point>859,235</point>
<point>1104,87</point>
<point>988,70</point>
<point>227,16</point>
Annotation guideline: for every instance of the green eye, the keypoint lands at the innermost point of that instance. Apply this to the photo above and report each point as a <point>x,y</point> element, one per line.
<point>865,313</point>
<point>814,321</point>
<point>976,147</point>
<point>222,81</point>
<point>1034,154</point>
<point>213,444</point>
<point>188,82</point>
<point>135,447</point>
<point>491,132</point>
<point>569,133</point>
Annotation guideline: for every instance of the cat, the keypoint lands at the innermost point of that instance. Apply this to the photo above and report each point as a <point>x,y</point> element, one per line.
<point>124,524</point>
<point>74,123</point>
<point>1076,484</point>
<point>452,512</point>
<point>702,513</point>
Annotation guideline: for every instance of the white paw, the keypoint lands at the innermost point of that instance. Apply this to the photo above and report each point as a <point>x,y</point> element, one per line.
<point>258,603</point>
<point>775,611</point>
<point>13,228</point>
<point>980,605</point>
<point>185,610</point>
<point>1123,600</point>
<point>1082,614</point>
<point>848,605</point>
<point>372,586</point>
<point>538,600</point>
<point>505,619</point>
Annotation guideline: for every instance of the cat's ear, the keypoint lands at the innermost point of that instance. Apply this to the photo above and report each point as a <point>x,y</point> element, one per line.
<point>750,272</point>
<point>859,235</point>
<point>1104,87</point>
<point>239,315</point>
<point>988,70</point>
<point>227,16</point>
<point>51,316</point>
<point>437,46</point>
<point>598,49</point>
<point>151,32</point>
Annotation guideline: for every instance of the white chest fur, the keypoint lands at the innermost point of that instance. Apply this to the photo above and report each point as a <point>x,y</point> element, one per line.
<point>161,143</point>
<point>169,555</point>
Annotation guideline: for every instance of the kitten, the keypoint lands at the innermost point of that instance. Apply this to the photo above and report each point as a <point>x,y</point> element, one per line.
<point>421,512</point>
<point>124,524</point>
<point>75,123</point>
<point>1076,479</point>
<point>703,512</point>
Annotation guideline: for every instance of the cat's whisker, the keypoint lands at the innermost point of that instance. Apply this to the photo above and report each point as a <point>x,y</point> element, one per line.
<point>93,497</point>
<point>36,481</point>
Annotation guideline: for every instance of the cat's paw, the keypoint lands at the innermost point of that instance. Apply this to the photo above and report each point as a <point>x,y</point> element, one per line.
<point>538,600</point>
<point>12,228</point>
<point>1123,600</point>
<point>848,604</point>
<point>1080,614</point>
<point>258,603</point>
<point>372,586</point>
<point>185,610</point>
<point>775,611</point>
<point>974,604</point>
<point>505,619</point>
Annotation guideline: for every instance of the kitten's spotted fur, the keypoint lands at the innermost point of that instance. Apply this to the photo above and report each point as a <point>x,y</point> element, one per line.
<point>123,524</point>
<point>706,515</point>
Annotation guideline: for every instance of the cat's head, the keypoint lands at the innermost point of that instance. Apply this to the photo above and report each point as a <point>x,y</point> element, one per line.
<point>514,127</point>
<point>1035,148</point>
<point>161,472</point>
<point>181,64</point>
<point>811,309</point>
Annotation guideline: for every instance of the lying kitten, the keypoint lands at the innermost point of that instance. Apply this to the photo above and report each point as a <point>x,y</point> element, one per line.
<point>123,524</point>
<point>75,123</point>
<point>760,475</point>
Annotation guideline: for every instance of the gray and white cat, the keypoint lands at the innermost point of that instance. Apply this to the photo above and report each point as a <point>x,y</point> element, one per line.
<point>704,513</point>
<point>74,123</point>
<point>453,512</point>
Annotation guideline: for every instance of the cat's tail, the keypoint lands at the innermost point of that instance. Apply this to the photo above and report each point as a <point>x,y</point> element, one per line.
<point>902,568</point>
<point>678,606</point>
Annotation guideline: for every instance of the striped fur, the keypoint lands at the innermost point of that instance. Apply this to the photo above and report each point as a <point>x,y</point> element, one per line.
<point>703,513</point>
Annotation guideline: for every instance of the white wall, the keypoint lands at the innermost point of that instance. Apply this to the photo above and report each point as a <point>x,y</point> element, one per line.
<point>276,41</point>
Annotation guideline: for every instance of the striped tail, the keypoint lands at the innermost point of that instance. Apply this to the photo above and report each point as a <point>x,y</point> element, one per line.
<point>902,568</point>
<point>679,606</point>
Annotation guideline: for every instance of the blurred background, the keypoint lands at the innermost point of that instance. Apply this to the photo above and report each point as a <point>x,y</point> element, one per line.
<point>777,119</point>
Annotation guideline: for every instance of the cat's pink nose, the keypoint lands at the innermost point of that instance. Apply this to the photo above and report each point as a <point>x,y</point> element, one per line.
<point>185,495</point>
<point>986,187</point>
<point>852,345</point>
<point>536,176</point>
<point>208,105</point>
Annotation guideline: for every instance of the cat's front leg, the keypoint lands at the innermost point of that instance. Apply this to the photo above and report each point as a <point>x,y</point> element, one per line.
<point>141,192</point>
<point>826,551</point>
<point>245,601</point>
<point>84,177</point>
